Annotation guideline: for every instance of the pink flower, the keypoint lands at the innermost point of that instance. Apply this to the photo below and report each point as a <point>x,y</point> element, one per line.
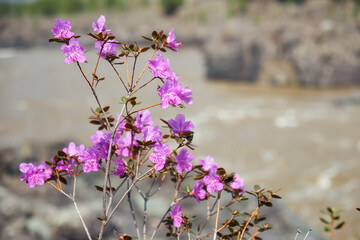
<point>143,120</point>
<point>159,155</point>
<point>238,182</point>
<point>108,50</point>
<point>74,51</point>
<point>171,41</point>
<point>62,29</point>
<point>213,182</point>
<point>72,151</point>
<point>198,191</point>
<point>175,214</point>
<point>179,125</point>
<point>120,167</point>
<point>99,25</point>
<point>35,175</point>
<point>90,160</point>
<point>208,164</point>
<point>172,93</point>
<point>160,67</point>
<point>153,134</point>
<point>183,161</point>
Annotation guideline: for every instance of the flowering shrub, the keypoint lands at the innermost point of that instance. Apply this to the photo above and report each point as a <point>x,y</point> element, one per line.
<point>132,149</point>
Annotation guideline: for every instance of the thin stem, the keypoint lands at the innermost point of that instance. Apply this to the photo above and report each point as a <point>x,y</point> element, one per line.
<point>106,176</point>
<point>309,230</point>
<point>217,215</point>
<point>122,81</point>
<point>133,71</point>
<point>259,232</point>
<point>72,198</point>
<point>82,220</point>
<point>142,72</point>
<point>133,92</point>
<point>122,198</point>
<point>247,223</point>
<point>127,71</point>
<point>154,105</point>
<point>158,226</point>
<point>95,95</point>
<point>297,234</point>
<point>331,228</point>
<point>224,226</point>
<point>97,64</point>
<point>133,213</point>
<point>145,218</point>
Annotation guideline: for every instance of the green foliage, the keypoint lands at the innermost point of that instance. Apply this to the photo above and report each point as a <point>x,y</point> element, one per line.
<point>331,216</point>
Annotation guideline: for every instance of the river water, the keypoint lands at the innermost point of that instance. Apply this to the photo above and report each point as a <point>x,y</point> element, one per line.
<point>304,142</point>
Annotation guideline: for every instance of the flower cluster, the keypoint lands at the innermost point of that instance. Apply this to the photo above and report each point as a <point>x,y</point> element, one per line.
<point>171,93</point>
<point>35,175</point>
<point>72,49</point>
<point>131,147</point>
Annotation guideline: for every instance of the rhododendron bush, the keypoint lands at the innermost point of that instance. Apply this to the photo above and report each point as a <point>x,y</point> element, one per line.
<point>131,148</point>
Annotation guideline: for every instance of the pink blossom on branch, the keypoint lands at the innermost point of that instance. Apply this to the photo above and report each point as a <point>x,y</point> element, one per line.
<point>143,120</point>
<point>171,41</point>
<point>159,155</point>
<point>208,164</point>
<point>175,214</point>
<point>99,25</point>
<point>179,125</point>
<point>238,182</point>
<point>183,161</point>
<point>74,52</point>
<point>213,182</point>
<point>62,29</point>
<point>73,151</point>
<point>120,167</point>
<point>160,67</point>
<point>108,49</point>
<point>198,191</point>
<point>172,93</point>
<point>35,175</point>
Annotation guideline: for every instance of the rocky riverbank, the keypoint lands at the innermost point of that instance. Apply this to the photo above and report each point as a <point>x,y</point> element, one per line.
<point>314,44</point>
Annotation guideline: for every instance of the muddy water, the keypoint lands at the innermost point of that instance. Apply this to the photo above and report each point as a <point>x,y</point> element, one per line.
<point>304,142</point>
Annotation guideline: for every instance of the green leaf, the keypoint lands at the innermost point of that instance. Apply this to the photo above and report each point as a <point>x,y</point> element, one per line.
<point>100,189</point>
<point>268,204</point>
<point>340,225</point>
<point>188,189</point>
<point>276,196</point>
<point>324,221</point>
<point>198,176</point>
<point>62,179</point>
<point>123,99</point>
<point>96,122</point>
<point>257,188</point>
<point>155,35</point>
<point>327,229</point>
<point>330,210</point>
<point>100,218</point>
<point>130,163</point>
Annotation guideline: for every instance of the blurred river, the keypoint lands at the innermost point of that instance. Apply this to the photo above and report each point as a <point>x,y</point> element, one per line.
<point>304,142</point>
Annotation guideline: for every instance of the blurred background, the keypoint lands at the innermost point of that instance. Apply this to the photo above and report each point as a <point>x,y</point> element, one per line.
<point>276,99</point>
